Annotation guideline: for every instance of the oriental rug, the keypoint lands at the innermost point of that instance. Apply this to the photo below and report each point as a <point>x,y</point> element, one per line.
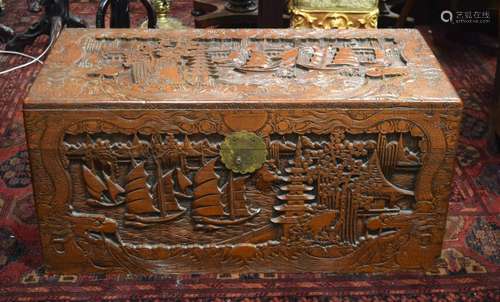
<point>468,269</point>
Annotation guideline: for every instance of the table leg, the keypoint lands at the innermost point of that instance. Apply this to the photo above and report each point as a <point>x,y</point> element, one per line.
<point>56,16</point>
<point>405,12</point>
<point>120,15</point>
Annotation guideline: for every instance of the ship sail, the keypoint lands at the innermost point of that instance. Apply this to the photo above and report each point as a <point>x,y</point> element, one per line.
<point>345,56</point>
<point>207,193</point>
<point>168,200</point>
<point>317,58</point>
<point>327,58</point>
<point>229,59</point>
<point>236,200</point>
<point>95,186</point>
<point>322,59</point>
<point>138,198</point>
<point>183,181</point>
<point>257,59</point>
<point>114,189</point>
<point>206,188</point>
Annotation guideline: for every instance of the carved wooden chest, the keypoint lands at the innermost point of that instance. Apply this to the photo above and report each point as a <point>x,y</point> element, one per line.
<point>241,151</point>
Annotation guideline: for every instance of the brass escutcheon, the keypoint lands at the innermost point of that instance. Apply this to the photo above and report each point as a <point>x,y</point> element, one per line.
<point>243,152</point>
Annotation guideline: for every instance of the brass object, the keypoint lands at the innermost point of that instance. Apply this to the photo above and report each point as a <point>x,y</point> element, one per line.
<point>328,20</point>
<point>164,21</point>
<point>333,14</point>
<point>243,152</point>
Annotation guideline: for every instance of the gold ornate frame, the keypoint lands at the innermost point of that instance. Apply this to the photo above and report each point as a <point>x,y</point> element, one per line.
<point>311,17</point>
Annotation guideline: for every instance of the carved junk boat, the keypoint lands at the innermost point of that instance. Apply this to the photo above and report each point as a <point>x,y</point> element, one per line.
<point>105,193</point>
<point>251,60</point>
<point>333,58</point>
<point>346,58</point>
<point>327,58</point>
<point>141,210</point>
<point>207,208</point>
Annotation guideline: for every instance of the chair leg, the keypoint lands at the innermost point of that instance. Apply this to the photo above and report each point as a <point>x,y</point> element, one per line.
<point>405,12</point>
<point>102,7</point>
<point>151,13</point>
<point>19,42</point>
<point>75,22</point>
<point>120,16</point>
<point>56,16</point>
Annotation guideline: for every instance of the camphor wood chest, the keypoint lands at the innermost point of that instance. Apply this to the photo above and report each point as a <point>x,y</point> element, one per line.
<point>241,151</point>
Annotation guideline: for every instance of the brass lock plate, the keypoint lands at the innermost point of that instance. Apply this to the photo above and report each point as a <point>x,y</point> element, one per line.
<point>243,152</point>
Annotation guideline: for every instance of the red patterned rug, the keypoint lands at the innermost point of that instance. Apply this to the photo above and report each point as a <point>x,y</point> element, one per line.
<point>467,270</point>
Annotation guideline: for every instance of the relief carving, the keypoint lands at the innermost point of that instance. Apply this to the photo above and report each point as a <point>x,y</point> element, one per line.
<point>241,151</point>
<point>325,195</point>
<point>129,68</point>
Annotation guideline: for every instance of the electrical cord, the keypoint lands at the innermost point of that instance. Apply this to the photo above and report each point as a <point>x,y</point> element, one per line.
<point>37,59</point>
<point>7,52</point>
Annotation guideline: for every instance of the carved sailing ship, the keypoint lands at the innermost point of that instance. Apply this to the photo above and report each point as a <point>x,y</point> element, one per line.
<point>331,58</point>
<point>327,58</point>
<point>346,58</point>
<point>314,58</point>
<point>105,193</point>
<point>141,210</point>
<point>208,209</point>
<point>253,60</point>
<point>256,61</point>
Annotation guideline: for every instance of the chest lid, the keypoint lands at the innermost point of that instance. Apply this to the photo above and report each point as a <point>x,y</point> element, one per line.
<point>123,68</point>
